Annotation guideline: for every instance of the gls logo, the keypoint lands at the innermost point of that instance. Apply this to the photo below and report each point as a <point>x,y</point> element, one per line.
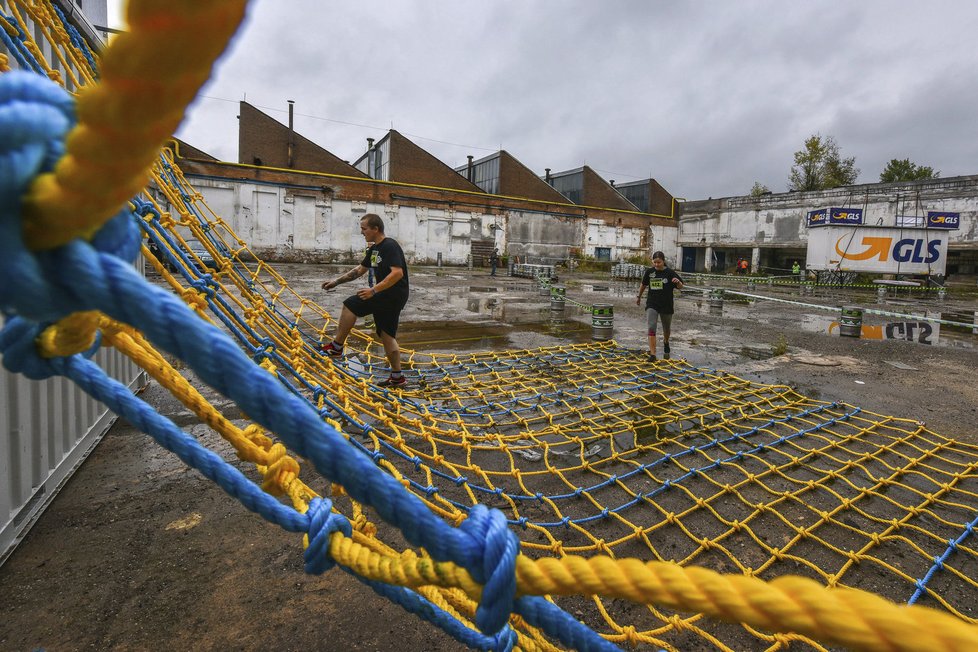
<point>846,216</point>
<point>907,250</point>
<point>946,220</point>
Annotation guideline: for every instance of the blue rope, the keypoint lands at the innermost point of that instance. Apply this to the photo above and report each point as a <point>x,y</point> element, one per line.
<point>952,547</point>
<point>17,47</point>
<point>20,356</point>
<point>502,641</point>
<point>79,276</point>
<point>76,39</point>
<point>322,523</point>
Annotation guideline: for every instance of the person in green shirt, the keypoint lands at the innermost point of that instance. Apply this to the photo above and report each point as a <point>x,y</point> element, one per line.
<point>660,281</point>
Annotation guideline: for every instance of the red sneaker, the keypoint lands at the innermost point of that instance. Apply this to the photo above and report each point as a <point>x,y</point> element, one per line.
<point>393,381</point>
<point>331,350</point>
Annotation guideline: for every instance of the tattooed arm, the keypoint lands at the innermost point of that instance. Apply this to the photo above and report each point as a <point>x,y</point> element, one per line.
<point>353,274</point>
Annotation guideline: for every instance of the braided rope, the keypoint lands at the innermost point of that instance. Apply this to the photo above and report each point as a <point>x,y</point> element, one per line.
<point>126,118</point>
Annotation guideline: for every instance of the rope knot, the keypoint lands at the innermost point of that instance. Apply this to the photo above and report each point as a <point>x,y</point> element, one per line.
<point>76,333</point>
<point>322,523</point>
<point>32,349</point>
<point>19,349</point>
<point>505,640</point>
<point>35,117</point>
<point>492,564</point>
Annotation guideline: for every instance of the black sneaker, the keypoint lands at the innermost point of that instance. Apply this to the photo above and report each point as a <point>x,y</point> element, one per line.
<point>331,350</point>
<point>393,381</point>
<point>652,357</point>
<point>665,352</point>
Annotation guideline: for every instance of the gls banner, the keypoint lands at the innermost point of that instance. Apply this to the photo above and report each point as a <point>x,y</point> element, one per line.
<point>904,250</point>
<point>818,218</point>
<point>878,250</point>
<point>943,220</point>
<point>850,216</point>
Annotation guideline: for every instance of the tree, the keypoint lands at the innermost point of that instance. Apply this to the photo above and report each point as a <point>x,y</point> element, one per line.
<point>905,170</point>
<point>819,166</point>
<point>759,189</point>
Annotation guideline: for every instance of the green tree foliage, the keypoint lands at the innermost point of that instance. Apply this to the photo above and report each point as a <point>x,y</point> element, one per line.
<point>905,170</point>
<point>759,189</point>
<point>819,166</point>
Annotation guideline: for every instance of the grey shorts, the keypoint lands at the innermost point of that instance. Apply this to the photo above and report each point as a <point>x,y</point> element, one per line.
<point>653,316</point>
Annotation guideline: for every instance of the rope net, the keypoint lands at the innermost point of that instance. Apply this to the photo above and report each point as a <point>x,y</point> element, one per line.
<point>588,451</point>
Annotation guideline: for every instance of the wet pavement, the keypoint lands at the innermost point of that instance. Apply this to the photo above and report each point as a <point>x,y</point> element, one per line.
<point>470,310</point>
<point>140,552</point>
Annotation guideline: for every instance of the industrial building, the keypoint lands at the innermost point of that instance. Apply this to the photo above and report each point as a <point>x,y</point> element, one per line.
<point>291,199</point>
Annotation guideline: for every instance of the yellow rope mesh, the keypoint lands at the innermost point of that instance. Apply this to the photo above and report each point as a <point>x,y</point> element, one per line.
<point>597,455</point>
<point>669,506</point>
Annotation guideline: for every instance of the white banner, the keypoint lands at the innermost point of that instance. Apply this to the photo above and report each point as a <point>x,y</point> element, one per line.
<point>879,250</point>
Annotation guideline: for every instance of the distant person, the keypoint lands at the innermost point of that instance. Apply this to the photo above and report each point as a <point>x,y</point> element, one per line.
<point>796,269</point>
<point>742,266</point>
<point>660,281</point>
<point>384,301</point>
<point>493,261</point>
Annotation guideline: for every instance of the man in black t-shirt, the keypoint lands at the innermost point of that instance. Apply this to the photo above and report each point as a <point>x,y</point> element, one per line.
<point>384,300</point>
<point>660,281</point>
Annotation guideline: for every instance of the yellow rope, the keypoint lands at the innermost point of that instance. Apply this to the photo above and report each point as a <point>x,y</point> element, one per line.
<point>850,617</point>
<point>125,119</point>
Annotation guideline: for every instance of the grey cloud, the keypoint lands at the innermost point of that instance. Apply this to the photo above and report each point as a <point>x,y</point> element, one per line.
<point>706,97</point>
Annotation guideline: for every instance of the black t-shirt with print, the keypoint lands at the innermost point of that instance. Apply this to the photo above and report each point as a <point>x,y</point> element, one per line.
<point>660,286</point>
<point>381,257</point>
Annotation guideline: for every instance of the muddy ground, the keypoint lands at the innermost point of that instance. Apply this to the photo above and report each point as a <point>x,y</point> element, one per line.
<point>139,553</point>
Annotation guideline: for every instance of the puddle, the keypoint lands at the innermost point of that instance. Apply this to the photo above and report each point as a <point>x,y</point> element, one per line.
<point>568,329</point>
<point>757,351</point>
<point>453,336</point>
<point>913,327</point>
<point>620,289</point>
<point>464,336</point>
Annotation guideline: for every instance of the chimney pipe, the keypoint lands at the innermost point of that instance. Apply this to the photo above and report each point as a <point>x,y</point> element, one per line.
<point>291,136</point>
<point>612,182</point>
<point>470,170</point>
<point>371,158</point>
<point>547,177</point>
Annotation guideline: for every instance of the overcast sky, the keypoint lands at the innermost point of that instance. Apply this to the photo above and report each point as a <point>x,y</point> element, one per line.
<point>705,97</point>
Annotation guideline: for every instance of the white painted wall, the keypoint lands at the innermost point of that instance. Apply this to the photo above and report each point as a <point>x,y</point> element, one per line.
<point>781,219</point>
<point>308,224</point>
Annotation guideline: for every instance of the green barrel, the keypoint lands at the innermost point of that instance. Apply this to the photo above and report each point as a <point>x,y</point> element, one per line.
<point>602,321</point>
<point>851,321</point>
<point>558,295</point>
<point>716,297</point>
<point>544,289</point>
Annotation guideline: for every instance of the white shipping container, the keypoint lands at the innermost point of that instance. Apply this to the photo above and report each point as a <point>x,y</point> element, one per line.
<point>877,250</point>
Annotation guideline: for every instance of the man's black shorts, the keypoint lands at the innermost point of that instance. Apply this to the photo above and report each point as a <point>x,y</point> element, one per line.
<point>386,308</point>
